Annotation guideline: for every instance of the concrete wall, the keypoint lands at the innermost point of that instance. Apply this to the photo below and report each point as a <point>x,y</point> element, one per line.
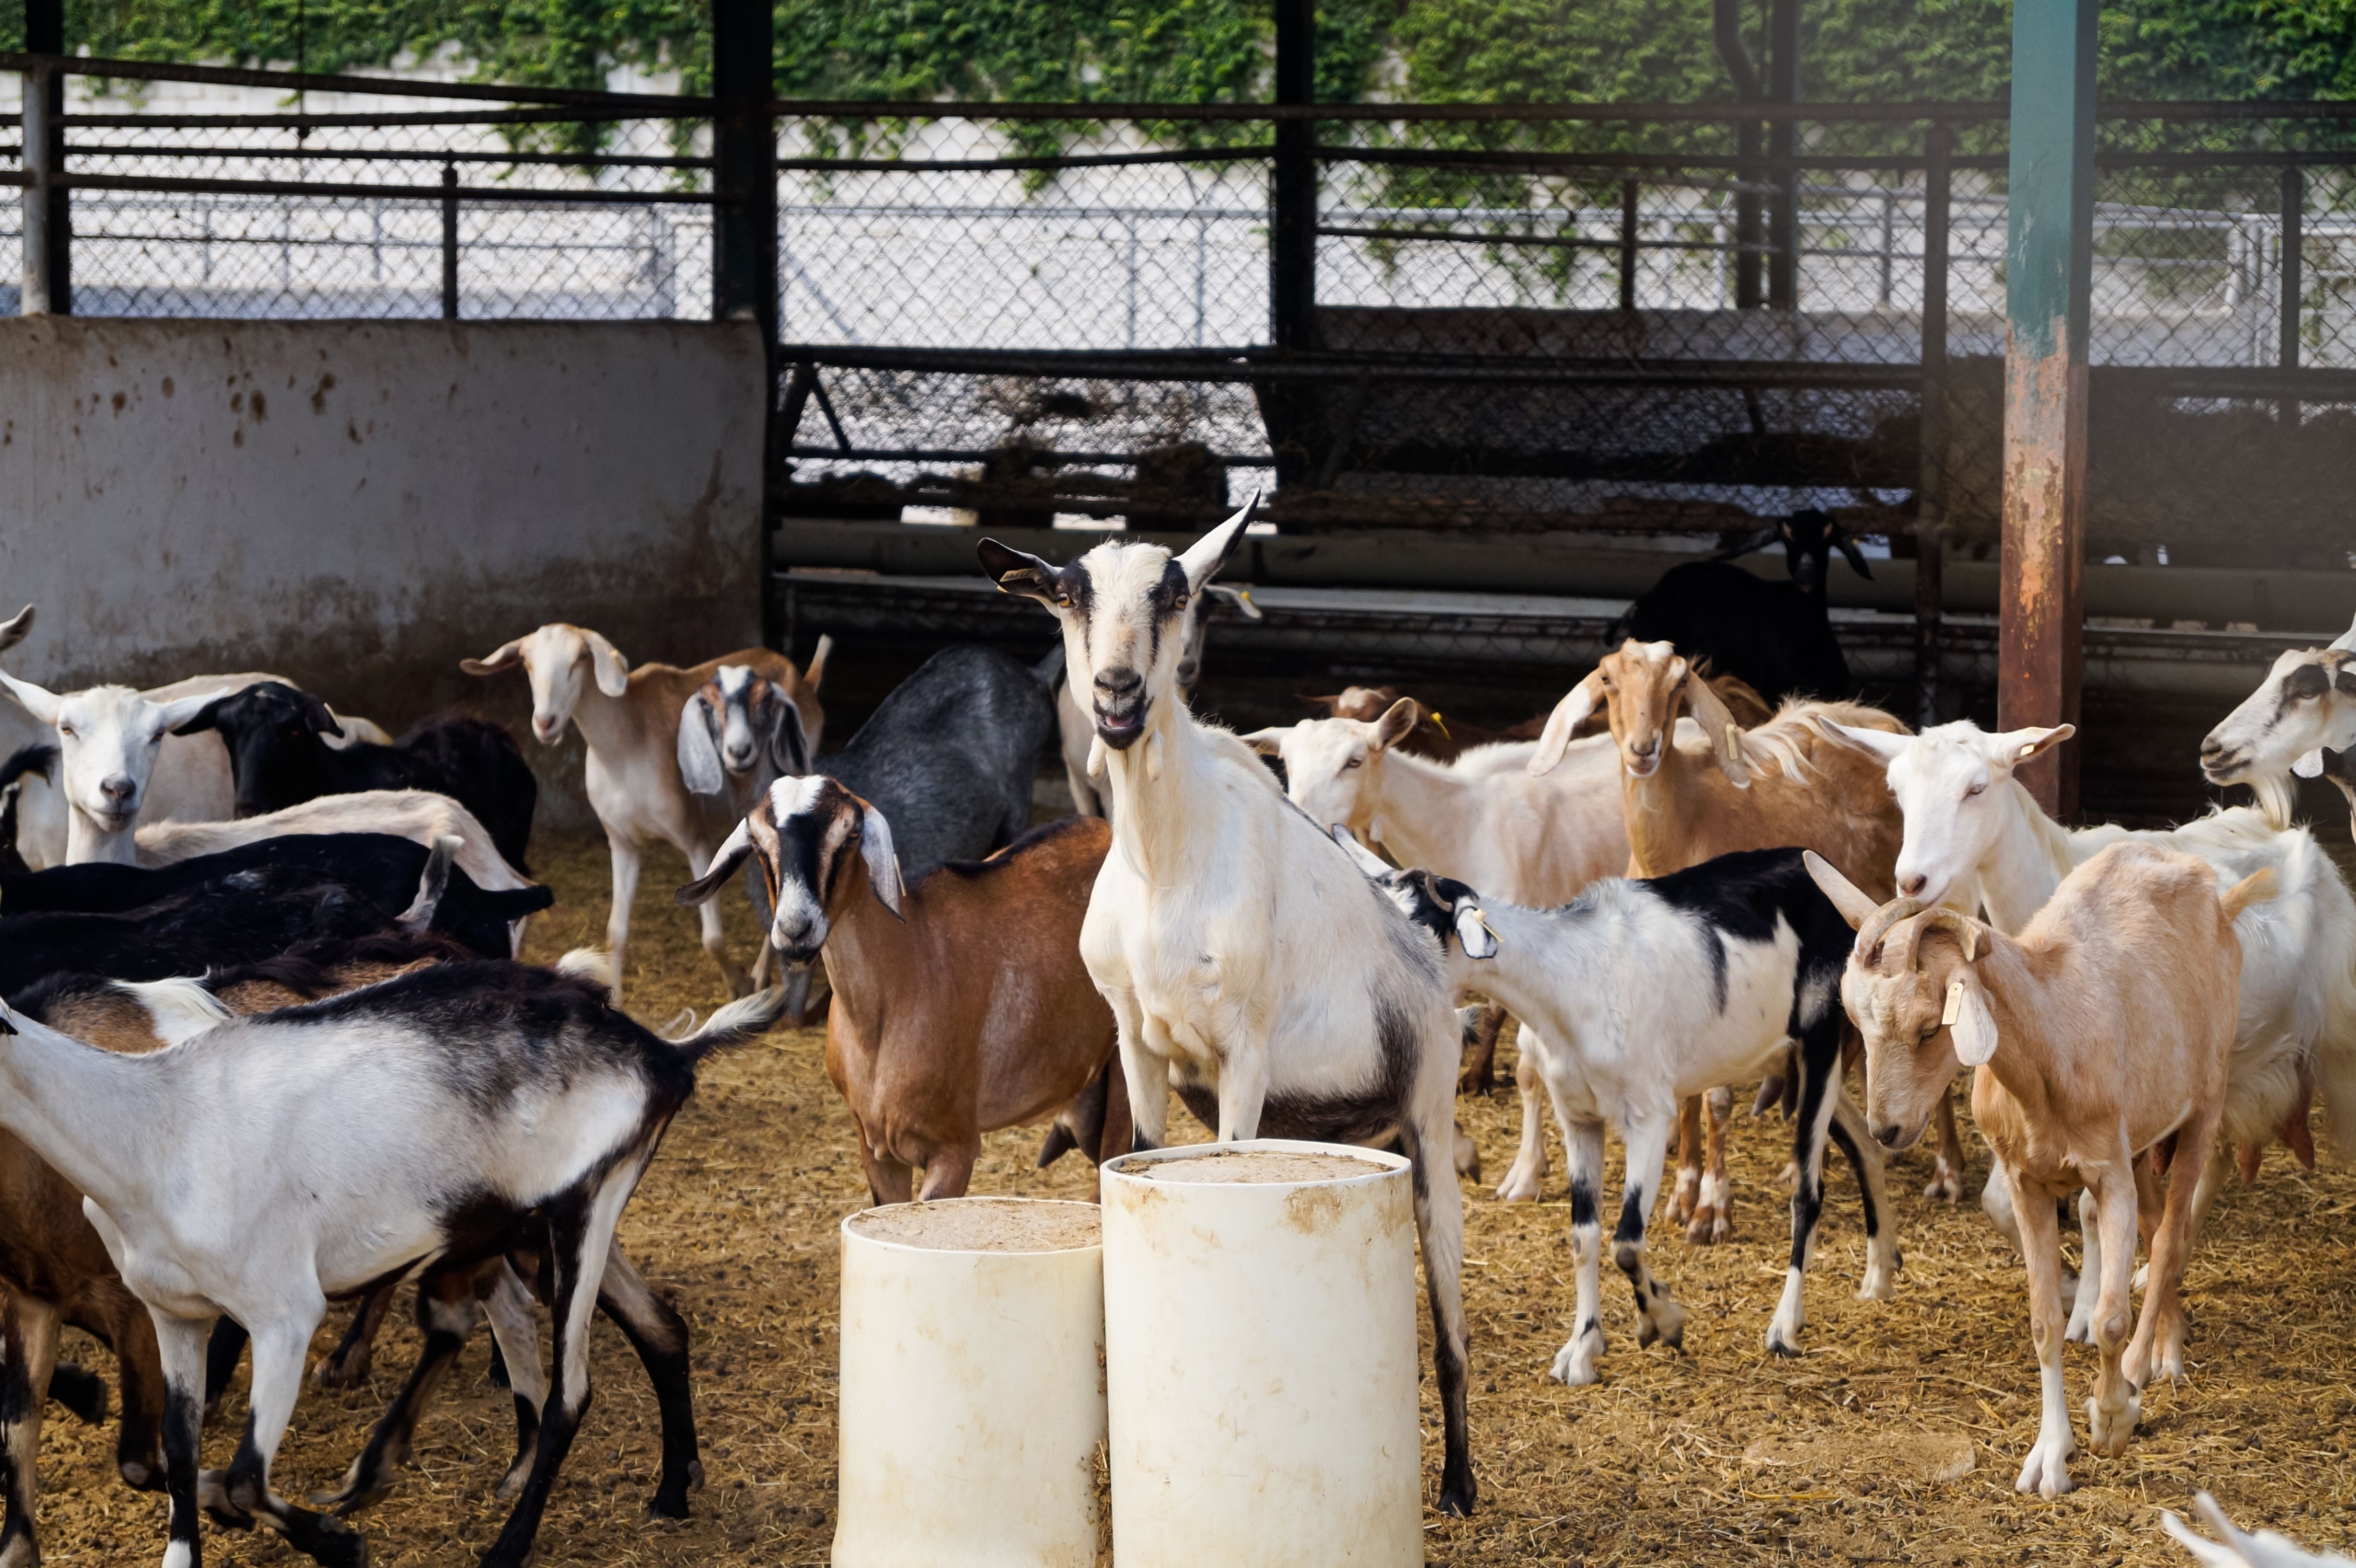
<point>357,507</point>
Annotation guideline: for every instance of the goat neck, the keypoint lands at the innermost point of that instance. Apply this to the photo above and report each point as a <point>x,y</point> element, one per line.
<point>2025,862</point>
<point>1162,789</point>
<point>89,1114</point>
<point>870,952</point>
<point>86,843</point>
<point>1419,811</point>
<point>2021,1088</point>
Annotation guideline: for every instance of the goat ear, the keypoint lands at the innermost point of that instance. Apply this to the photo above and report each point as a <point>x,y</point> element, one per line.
<point>699,767</point>
<point>607,664</point>
<point>1758,539</point>
<point>1847,544</point>
<point>1973,1026</point>
<point>1879,743</point>
<point>1398,721</point>
<point>734,851</point>
<point>39,702</point>
<point>789,742</point>
<point>1206,555</point>
<point>1717,723</point>
<point>1853,903</point>
<point>1555,738</point>
<point>1240,596</point>
<point>201,719</point>
<point>181,717</point>
<point>2309,766</point>
<point>2014,747</point>
<point>883,860</point>
<point>1368,862</point>
<point>433,883</point>
<point>816,671</point>
<point>317,714</point>
<point>1268,742</point>
<point>2346,640</point>
<point>506,656</point>
<point>1473,933</point>
<point>1021,574</point>
<point>19,626</point>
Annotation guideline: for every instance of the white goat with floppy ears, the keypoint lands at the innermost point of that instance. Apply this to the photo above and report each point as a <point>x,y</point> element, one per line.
<point>1971,825</point>
<point>2306,705</point>
<point>1244,958</point>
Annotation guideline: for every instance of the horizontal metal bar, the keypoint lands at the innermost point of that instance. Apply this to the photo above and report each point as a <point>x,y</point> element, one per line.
<point>386,192</point>
<point>1452,237</point>
<point>380,155</point>
<point>1264,364</point>
<point>349,122</point>
<point>649,104</point>
<point>1077,160</point>
<point>982,454</point>
<point>859,109</point>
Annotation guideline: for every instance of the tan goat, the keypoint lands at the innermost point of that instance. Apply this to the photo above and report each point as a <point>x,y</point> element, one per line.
<point>2101,1035</point>
<point>1786,783</point>
<point>961,1005</point>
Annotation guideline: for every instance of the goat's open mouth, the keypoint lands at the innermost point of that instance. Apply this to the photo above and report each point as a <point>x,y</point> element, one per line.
<point>1120,728</point>
<point>2225,767</point>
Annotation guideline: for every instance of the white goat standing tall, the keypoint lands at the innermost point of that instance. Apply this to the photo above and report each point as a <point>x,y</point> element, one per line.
<point>1076,727</point>
<point>1245,959</point>
<point>1970,825</point>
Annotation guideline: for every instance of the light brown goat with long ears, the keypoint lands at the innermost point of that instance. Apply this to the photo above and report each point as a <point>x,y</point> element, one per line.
<point>2100,1039</point>
<point>1786,783</point>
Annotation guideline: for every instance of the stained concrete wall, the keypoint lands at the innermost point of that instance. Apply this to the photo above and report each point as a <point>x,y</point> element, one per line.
<point>358,505</point>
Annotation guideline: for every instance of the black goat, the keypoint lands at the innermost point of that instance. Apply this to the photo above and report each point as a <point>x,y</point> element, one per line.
<point>949,757</point>
<point>278,760</point>
<point>1777,636</point>
<point>377,867</point>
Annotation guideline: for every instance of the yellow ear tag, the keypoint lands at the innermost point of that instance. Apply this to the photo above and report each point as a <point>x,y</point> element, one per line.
<point>1481,918</point>
<point>1733,741</point>
<point>1437,725</point>
<point>1954,1005</point>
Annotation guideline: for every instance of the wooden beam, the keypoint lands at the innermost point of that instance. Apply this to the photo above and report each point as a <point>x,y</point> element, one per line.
<point>2049,259</point>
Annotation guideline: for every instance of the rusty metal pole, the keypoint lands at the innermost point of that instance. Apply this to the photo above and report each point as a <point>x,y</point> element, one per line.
<point>744,244</point>
<point>2048,273</point>
<point>449,242</point>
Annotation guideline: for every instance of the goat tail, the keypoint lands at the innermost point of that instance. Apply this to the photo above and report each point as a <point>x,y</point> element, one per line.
<point>2259,887</point>
<point>816,671</point>
<point>745,1019</point>
<point>592,964</point>
<point>179,1008</point>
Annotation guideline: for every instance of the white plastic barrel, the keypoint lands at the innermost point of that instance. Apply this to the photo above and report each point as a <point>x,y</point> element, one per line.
<point>973,1385</point>
<point>1260,1357</point>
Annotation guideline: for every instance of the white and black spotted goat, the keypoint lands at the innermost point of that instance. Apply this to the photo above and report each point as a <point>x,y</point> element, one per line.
<point>2305,707</point>
<point>1243,956</point>
<point>256,1167</point>
<point>1651,991</point>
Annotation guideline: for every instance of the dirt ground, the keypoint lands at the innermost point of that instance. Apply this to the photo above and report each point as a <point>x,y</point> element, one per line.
<point>1853,1453</point>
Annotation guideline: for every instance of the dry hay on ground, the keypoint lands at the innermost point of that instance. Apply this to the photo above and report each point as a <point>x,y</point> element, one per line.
<point>1720,1456</point>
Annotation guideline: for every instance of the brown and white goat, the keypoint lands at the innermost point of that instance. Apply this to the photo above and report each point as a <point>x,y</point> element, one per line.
<point>630,719</point>
<point>1786,783</point>
<point>961,1005</point>
<point>2101,1038</point>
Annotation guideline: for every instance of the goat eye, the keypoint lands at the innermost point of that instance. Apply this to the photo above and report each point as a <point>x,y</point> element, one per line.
<point>1979,789</point>
<point>1354,762</point>
<point>67,731</point>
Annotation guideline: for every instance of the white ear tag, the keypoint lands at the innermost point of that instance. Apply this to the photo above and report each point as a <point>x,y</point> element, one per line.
<point>1734,741</point>
<point>1954,1005</point>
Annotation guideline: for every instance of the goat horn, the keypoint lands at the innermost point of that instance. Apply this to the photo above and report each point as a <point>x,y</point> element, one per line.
<point>1966,929</point>
<point>1879,923</point>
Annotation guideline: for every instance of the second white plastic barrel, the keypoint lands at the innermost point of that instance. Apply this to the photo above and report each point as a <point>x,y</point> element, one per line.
<point>973,1386</point>
<point>1260,1357</point>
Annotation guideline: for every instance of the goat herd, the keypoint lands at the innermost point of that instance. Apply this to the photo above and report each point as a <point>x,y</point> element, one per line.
<point>263,1018</point>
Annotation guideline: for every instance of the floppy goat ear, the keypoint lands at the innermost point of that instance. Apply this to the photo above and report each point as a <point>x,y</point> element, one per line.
<point>1206,555</point>
<point>1852,901</point>
<point>1847,544</point>
<point>883,860</point>
<point>734,851</point>
<point>1473,933</point>
<point>607,664</point>
<point>789,742</point>
<point>700,766</point>
<point>1757,541</point>
<point>1552,741</point>
<point>1717,723</point>
<point>316,715</point>
<point>506,656</point>
<point>1968,1018</point>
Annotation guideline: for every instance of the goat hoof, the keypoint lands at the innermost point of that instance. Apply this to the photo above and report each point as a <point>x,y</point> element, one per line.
<point>1944,1188</point>
<point>2047,1472</point>
<point>1780,1342</point>
<point>1575,1363</point>
<point>338,1545</point>
<point>1520,1187</point>
<point>2110,1431</point>
<point>512,1481</point>
<point>334,1371</point>
<point>667,1502</point>
<point>352,1495</point>
<point>1456,1496</point>
<point>142,1475</point>
<point>22,1552</point>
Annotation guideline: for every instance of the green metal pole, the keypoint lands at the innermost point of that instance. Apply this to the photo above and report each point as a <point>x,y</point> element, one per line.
<point>2049,271</point>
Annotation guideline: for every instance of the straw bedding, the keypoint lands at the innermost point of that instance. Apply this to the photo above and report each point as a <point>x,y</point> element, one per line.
<point>1894,1439</point>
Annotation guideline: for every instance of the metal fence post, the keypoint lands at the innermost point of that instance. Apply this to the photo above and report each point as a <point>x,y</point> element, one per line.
<point>1292,217</point>
<point>2293,278</point>
<point>746,242</point>
<point>1783,143</point>
<point>1931,496</point>
<point>2048,276</point>
<point>1727,30</point>
<point>1628,244</point>
<point>449,242</point>
<point>49,227</point>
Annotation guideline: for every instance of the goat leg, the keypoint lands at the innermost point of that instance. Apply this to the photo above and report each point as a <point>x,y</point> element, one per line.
<point>346,1365</point>
<point>29,1327</point>
<point>222,1351</point>
<point>1687,1196</point>
<point>1947,1176</point>
<point>446,1315</point>
<point>660,1336</point>
<point>1480,1073</point>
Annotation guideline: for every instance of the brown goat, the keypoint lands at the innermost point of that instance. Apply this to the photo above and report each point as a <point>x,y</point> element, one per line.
<point>1782,784</point>
<point>2100,1036</point>
<point>961,1005</point>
